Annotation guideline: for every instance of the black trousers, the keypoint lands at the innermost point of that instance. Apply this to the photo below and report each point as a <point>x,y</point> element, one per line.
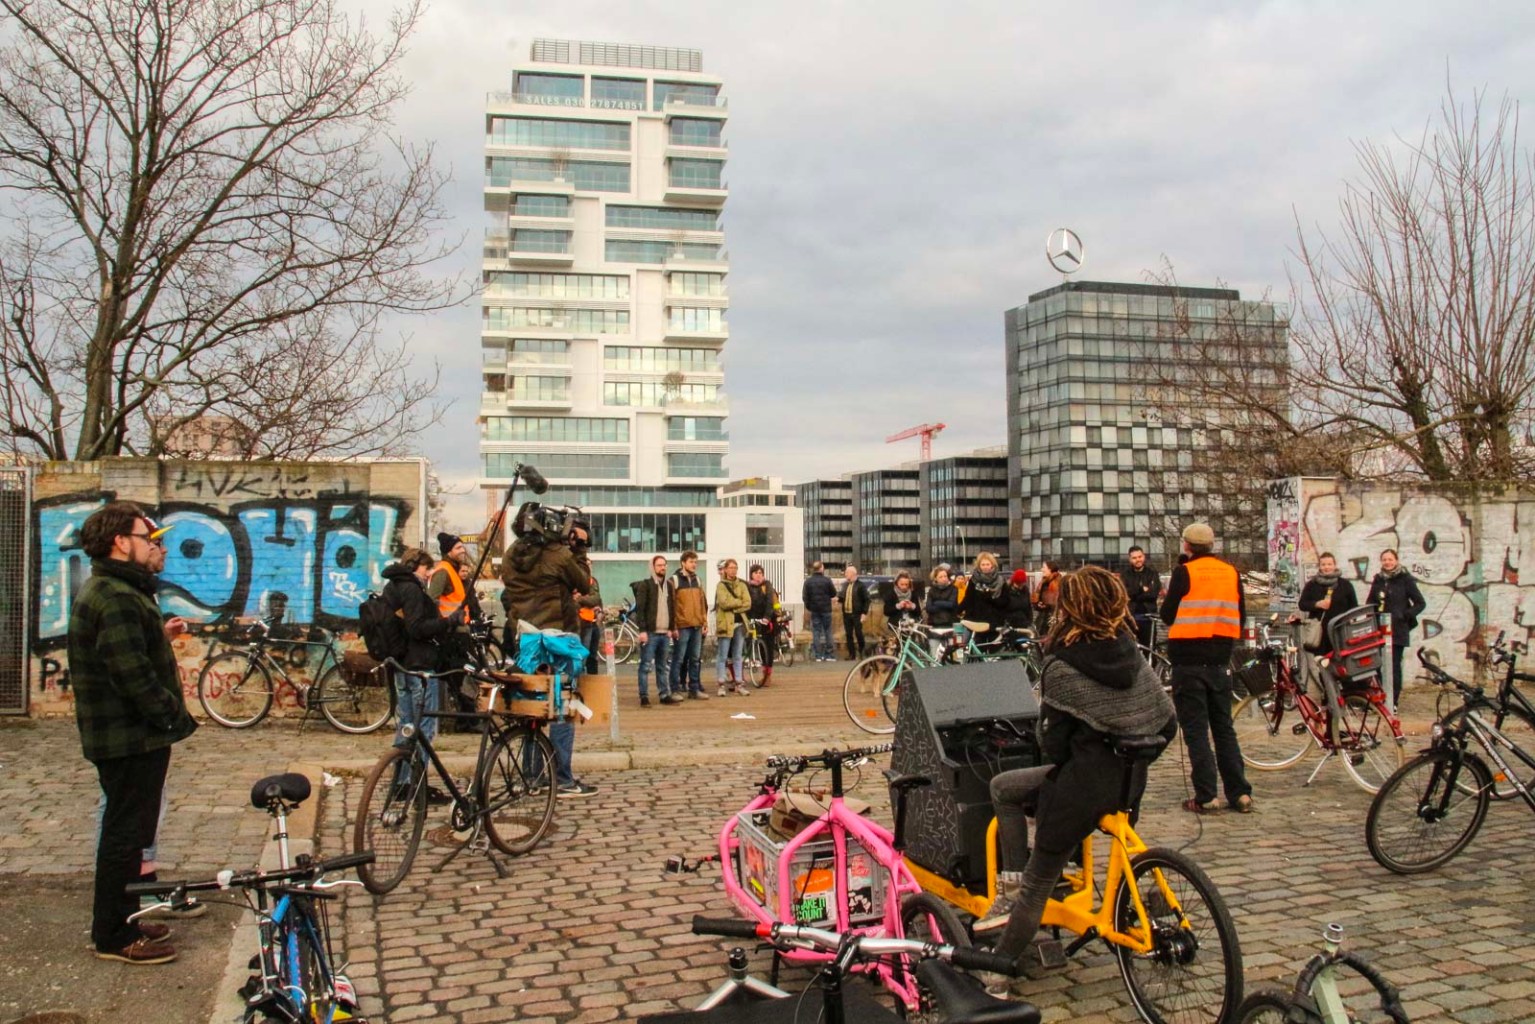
<point>1202,698</point>
<point>133,787</point>
<point>852,632</point>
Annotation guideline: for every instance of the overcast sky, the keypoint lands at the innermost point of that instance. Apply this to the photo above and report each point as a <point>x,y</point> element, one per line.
<point>895,168</point>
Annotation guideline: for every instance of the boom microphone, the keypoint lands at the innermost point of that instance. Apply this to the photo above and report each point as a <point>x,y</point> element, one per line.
<point>534,479</point>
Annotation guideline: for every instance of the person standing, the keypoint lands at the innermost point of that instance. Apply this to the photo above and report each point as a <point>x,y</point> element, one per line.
<point>732,601</point>
<point>853,599</point>
<point>1045,598</point>
<point>764,612</point>
<point>818,595</point>
<point>692,616</point>
<point>1204,609</point>
<point>655,612</point>
<point>450,586</point>
<point>425,629</point>
<point>1144,586</point>
<point>1324,597</point>
<point>942,605</point>
<point>1395,592</point>
<point>589,603</point>
<point>983,600</point>
<point>901,600</point>
<point>1017,608</point>
<point>130,711</point>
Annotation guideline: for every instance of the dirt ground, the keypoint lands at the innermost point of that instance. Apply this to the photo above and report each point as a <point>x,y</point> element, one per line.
<point>47,966</point>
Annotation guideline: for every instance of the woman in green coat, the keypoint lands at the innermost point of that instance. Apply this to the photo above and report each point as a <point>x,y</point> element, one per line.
<point>732,600</point>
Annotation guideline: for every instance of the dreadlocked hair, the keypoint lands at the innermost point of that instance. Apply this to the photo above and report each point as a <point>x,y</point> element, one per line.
<point>1092,605</point>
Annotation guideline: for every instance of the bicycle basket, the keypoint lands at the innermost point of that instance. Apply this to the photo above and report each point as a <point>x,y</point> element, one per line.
<point>1256,676</point>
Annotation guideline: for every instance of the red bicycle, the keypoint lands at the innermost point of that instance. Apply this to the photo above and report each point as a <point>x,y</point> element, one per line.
<point>1280,721</point>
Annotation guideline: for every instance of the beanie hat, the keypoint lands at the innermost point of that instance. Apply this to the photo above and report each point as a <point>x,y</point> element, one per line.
<point>1020,577</point>
<point>447,542</point>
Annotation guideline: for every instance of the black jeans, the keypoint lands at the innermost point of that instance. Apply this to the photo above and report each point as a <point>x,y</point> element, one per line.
<point>852,632</point>
<point>1397,650</point>
<point>133,787</point>
<point>1145,630</point>
<point>1202,698</point>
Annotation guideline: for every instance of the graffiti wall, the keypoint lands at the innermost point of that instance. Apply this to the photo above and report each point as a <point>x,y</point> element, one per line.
<point>1473,552</point>
<point>246,539</point>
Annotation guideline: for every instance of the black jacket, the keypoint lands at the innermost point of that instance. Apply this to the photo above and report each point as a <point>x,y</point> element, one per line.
<point>942,605</point>
<point>819,593</point>
<point>647,601</point>
<point>1144,585</point>
<point>860,597</point>
<point>424,625</point>
<point>983,603</point>
<point>1398,595</point>
<point>1017,609</point>
<point>1343,598</point>
<point>890,599</point>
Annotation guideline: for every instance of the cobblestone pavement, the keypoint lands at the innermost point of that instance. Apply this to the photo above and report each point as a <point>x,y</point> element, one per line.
<point>589,928</point>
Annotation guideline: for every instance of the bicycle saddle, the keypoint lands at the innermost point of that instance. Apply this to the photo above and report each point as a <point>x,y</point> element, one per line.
<point>290,788</point>
<point>965,1002</point>
<point>976,627</point>
<point>1139,748</point>
<point>899,783</point>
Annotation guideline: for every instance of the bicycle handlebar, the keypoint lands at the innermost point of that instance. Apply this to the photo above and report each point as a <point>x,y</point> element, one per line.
<point>253,879</point>
<point>826,758</point>
<point>780,935</point>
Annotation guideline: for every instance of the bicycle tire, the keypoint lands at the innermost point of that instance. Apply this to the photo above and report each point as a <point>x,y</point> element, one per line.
<point>1265,733</point>
<point>863,693</point>
<point>357,706</point>
<point>1519,727</point>
<point>314,978</point>
<point>1412,810</point>
<point>1264,1006</point>
<point>626,642</point>
<point>1160,666</point>
<point>516,792</point>
<point>785,643</point>
<point>388,823</point>
<point>1175,983</point>
<point>235,689</point>
<point>1369,749</point>
<point>927,918</point>
<point>753,660</point>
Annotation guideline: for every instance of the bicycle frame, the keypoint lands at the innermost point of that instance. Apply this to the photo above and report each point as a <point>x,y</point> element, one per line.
<point>1489,738</point>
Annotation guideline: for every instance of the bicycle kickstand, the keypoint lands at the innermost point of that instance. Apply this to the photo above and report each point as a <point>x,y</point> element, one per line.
<point>1327,755</point>
<point>479,842</point>
<point>739,979</point>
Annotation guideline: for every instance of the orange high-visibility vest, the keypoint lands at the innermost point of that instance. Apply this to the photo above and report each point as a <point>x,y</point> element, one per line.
<point>452,599</point>
<point>1211,607</point>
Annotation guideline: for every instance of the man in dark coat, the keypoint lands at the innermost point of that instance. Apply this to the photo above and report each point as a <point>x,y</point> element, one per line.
<point>818,595</point>
<point>130,710</point>
<point>1394,592</point>
<point>853,599</point>
<point>1143,584</point>
<point>425,628</point>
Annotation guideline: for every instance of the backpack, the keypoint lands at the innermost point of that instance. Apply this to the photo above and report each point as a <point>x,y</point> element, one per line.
<point>382,628</point>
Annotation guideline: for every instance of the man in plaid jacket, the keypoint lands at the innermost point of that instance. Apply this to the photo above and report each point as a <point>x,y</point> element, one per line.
<point>130,710</point>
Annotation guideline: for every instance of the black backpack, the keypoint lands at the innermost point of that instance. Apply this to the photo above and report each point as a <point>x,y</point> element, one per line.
<point>382,628</point>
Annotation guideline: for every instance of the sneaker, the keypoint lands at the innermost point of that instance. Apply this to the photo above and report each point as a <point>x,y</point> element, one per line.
<point>724,691</point>
<point>437,796</point>
<point>1193,806</point>
<point>673,698</point>
<point>644,702</point>
<point>698,695</point>
<point>189,910</point>
<point>578,789</point>
<point>1009,885</point>
<point>742,691</point>
<point>142,950</point>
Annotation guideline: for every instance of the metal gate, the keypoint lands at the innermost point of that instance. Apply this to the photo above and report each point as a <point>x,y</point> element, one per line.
<point>15,587</point>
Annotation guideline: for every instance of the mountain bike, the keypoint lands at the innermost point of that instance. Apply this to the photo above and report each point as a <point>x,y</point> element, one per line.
<point>1279,721</point>
<point>1434,805</point>
<point>1315,997</point>
<point>295,976</point>
<point>840,870</point>
<point>946,994</point>
<point>1514,715</point>
<point>235,686</point>
<point>1158,912</point>
<point>508,803</point>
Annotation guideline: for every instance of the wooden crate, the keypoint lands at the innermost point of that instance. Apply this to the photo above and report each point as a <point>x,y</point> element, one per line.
<point>527,695</point>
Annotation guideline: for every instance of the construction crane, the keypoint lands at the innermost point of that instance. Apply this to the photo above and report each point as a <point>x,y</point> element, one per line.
<point>925,431</point>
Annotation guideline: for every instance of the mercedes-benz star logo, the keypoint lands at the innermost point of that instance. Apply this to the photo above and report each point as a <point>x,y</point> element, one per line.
<point>1065,251</point>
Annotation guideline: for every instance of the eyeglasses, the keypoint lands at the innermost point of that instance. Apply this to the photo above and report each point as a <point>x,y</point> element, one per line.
<point>158,542</point>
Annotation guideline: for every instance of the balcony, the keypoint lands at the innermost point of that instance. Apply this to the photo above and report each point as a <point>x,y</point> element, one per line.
<point>498,246</point>
<point>718,336</point>
<point>720,406</point>
<point>694,195</point>
<point>697,150</point>
<point>684,105</point>
<point>678,261</point>
<point>517,400</point>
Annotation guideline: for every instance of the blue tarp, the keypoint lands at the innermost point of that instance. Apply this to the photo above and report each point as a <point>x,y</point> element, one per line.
<point>563,652</point>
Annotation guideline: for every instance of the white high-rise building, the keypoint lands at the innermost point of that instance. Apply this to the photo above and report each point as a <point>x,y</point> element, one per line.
<point>604,294</point>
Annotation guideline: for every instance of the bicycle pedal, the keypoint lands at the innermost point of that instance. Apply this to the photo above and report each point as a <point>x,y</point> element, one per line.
<point>1051,953</point>
<point>1298,728</point>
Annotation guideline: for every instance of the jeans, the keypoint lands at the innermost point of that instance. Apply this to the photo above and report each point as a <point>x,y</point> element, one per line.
<point>1202,698</point>
<point>134,787</point>
<point>653,654</point>
<point>150,852</point>
<point>820,635</point>
<point>591,639</point>
<point>730,649</point>
<point>1145,630</point>
<point>562,737</point>
<point>414,695</point>
<point>852,632</point>
<point>687,661</point>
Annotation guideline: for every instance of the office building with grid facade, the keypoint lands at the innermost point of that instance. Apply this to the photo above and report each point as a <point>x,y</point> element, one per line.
<point>963,509</point>
<point>828,509</point>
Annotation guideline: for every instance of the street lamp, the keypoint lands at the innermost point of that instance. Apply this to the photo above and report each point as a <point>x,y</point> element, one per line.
<point>964,556</point>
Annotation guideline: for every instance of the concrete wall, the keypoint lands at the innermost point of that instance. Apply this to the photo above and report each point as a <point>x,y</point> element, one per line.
<point>1469,548</point>
<point>318,533</point>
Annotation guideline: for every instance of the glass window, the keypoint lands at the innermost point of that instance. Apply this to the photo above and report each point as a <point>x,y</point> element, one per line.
<point>539,350</point>
<point>695,173</point>
<point>660,360</point>
<point>655,393</point>
<point>539,389</point>
<point>686,92</point>
<point>556,428</point>
<point>550,90</point>
<point>666,218</point>
<point>524,240</point>
<point>528,205</point>
<point>764,532</point>
<point>586,175</point>
<point>696,284</point>
<point>558,134</point>
<point>633,497</point>
<point>696,428</point>
<point>520,285</point>
<point>618,93</point>
<point>692,131</point>
<point>625,250</point>
<point>647,532</point>
<point>699,464</point>
<point>558,464</point>
<point>689,318</point>
<point>581,321</point>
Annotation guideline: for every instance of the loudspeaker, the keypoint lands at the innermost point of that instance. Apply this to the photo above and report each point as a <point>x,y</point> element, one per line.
<point>960,725</point>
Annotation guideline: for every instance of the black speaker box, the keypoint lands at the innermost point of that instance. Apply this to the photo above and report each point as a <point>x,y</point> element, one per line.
<point>960,725</point>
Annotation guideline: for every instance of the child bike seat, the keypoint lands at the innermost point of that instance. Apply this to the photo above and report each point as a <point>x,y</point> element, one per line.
<point>291,788</point>
<point>964,1002</point>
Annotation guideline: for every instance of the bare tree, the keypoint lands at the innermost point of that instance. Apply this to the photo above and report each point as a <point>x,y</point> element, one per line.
<point>206,216</point>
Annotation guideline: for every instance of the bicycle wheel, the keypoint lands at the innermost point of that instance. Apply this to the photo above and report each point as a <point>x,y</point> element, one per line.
<point>753,658</point>
<point>235,689</point>
<point>927,918</point>
<point>1519,727</point>
<point>1265,728</point>
<point>1264,1006</point>
<point>313,982</point>
<point>514,785</point>
<point>785,641</point>
<point>1424,814</point>
<point>625,643</point>
<point>863,693</point>
<point>389,822</point>
<point>1194,970</point>
<point>1369,749</point>
<point>1160,666</point>
<point>360,704</point>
